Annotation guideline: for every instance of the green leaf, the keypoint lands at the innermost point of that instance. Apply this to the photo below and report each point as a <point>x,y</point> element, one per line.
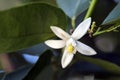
<point>111,67</point>
<point>7,4</point>
<point>73,8</point>
<point>114,16</point>
<point>52,2</point>
<point>28,25</point>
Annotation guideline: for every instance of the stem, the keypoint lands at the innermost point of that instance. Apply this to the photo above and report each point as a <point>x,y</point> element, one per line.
<point>73,22</point>
<point>91,8</point>
<point>98,32</point>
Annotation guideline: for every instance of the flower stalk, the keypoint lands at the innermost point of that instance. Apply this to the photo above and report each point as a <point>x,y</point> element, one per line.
<point>91,8</point>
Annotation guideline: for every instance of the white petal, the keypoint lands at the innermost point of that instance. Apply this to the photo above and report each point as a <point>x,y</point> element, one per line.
<point>66,59</point>
<point>60,32</point>
<point>84,49</point>
<point>81,29</point>
<point>71,41</point>
<point>56,44</point>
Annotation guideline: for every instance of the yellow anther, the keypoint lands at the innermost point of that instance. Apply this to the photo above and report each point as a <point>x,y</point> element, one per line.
<point>70,48</point>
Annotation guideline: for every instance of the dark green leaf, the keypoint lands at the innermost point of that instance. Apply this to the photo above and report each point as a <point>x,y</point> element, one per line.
<point>114,16</point>
<point>28,25</point>
<point>73,7</point>
<point>52,2</point>
<point>111,67</point>
<point>46,74</point>
<point>6,4</point>
<point>41,64</point>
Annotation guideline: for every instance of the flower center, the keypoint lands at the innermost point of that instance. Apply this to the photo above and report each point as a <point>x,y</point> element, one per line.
<point>70,48</point>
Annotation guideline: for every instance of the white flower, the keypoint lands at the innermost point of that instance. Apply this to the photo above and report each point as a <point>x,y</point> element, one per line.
<point>70,42</point>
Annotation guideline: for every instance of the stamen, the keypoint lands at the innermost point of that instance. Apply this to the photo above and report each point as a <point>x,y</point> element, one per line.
<point>70,48</point>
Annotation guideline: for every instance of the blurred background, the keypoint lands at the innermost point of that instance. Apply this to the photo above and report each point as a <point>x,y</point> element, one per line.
<point>27,65</point>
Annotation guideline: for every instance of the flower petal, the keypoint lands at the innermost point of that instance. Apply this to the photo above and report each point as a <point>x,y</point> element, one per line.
<point>81,29</point>
<point>60,32</point>
<point>66,58</point>
<point>56,44</point>
<point>84,49</point>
